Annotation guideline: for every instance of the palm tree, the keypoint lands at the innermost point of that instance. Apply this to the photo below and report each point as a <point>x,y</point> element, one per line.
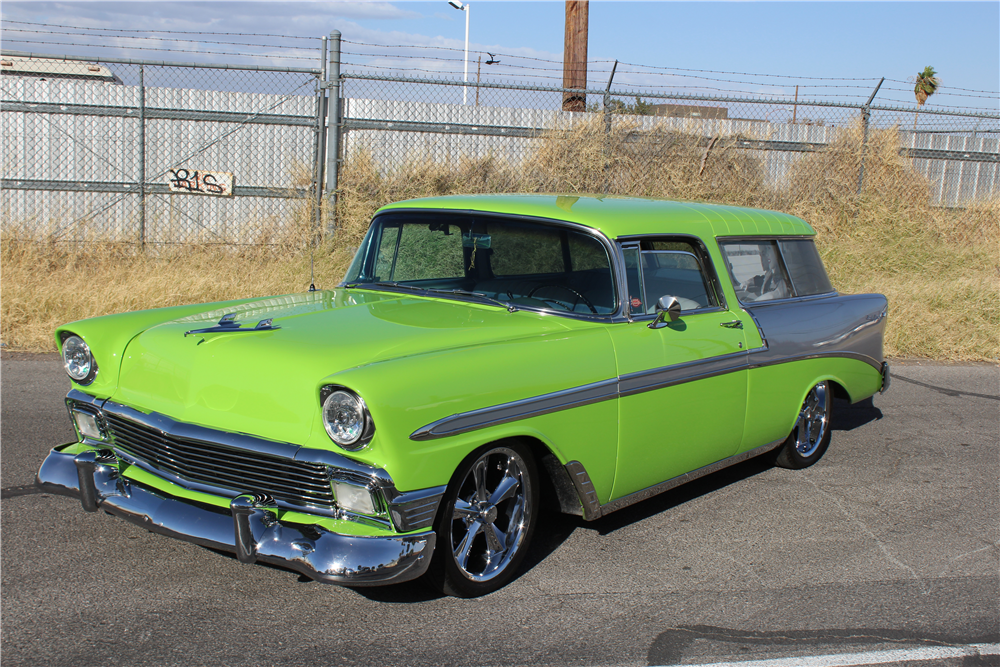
<point>926,85</point>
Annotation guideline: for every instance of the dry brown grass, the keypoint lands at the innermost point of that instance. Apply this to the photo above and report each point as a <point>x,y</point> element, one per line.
<point>940,268</point>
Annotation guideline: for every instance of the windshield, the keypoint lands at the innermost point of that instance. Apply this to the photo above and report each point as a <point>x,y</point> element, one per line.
<point>526,264</point>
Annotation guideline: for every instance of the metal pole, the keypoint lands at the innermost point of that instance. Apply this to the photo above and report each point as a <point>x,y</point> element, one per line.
<point>795,108</point>
<point>333,128</point>
<point>865,118</point>
<point>479,72</point>
<point>465,89</point>
<point>142,157</point>
<point>318,144</point>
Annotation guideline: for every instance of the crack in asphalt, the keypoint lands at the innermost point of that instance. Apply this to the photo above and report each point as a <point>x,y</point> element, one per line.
<point>15,491</point>
<point>945,390</point>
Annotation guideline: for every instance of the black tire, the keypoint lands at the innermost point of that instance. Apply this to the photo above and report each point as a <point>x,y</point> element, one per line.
<point>810,436</point>
<point>486,521</point>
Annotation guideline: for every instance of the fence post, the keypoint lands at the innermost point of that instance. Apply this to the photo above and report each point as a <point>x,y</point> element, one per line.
<point>607,99</point>
<point>865,118</point>
<point>607,128</point>
<point>318,144</point>
<point>333,129</point>
<point>142,157</point>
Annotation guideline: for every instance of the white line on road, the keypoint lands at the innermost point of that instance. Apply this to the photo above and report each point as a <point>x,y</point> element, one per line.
<point>867,658</point>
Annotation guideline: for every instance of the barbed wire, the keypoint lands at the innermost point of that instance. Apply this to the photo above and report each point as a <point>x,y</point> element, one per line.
<point>157,39</point>
<point>182,32</point>
<point>146,48</point>
<point>550,70</point>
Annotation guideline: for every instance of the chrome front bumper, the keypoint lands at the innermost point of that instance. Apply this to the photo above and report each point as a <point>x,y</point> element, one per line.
<point>250,528</point>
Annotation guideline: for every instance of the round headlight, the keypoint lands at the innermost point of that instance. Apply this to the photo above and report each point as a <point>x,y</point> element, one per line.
<point>77,359</point>
<point>346,419</point>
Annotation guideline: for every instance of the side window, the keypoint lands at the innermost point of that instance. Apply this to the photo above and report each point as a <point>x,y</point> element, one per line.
<point>668,267</point>
<point>756,270</point>
<point>805,267</point>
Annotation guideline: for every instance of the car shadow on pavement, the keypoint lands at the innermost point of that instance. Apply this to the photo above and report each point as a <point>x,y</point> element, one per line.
<point>678,496</point>
<point>847,417</point>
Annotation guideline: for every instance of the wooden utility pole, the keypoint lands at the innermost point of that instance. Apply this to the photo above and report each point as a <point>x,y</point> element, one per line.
<point>575,54</point>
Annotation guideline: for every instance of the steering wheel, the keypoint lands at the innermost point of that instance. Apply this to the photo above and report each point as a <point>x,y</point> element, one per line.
<point>768,284</point>
<point>579,297</point>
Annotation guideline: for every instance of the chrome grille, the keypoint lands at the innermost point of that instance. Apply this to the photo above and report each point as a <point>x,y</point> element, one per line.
<point>287,481</point>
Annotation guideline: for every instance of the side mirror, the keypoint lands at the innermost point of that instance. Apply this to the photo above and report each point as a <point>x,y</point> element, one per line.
<point>668,309</point>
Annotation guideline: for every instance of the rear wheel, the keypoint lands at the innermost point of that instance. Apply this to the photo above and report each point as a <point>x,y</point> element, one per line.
<point>810,436</point>
<point>486,521</point>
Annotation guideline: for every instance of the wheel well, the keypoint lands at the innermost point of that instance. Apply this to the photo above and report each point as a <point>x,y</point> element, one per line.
<point>556,489</point>
<point>839,391</point>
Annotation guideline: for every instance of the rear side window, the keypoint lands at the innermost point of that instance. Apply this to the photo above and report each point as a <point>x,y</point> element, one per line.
<point>766,270</point>
<point>805,267</point>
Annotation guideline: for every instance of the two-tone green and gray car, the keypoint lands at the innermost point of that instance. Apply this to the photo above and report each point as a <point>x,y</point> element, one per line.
<point>485,358</point>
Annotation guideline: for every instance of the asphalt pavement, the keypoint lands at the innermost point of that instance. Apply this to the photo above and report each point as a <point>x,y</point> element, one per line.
<point>890,543</point>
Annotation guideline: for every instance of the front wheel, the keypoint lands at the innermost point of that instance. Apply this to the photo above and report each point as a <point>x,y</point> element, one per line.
<point>486,521</point>
<point>810,436</point>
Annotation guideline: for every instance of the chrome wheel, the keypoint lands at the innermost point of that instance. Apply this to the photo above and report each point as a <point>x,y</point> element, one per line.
<point>810,436</point>
<point>491,515</point>
<point>813,421</point>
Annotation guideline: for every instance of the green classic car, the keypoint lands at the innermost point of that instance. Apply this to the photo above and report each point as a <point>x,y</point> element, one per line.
<point>486,357</point>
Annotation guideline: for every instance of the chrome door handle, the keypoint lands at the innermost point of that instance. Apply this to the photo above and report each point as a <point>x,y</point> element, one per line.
<point>735,324</point>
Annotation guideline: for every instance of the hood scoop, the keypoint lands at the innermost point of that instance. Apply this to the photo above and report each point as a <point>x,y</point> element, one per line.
<point>228,324</point>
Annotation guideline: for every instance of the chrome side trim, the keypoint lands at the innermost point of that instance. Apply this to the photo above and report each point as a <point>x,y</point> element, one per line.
<point>821,355</point>
<point>658,378</point>
<point>249,529</point>
<point>528,407</point>
<point>674,482</point>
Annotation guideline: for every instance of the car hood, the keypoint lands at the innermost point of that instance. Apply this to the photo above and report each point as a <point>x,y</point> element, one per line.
<point>266,382</point>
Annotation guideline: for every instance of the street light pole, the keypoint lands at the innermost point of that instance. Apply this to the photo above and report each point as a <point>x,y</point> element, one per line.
<point>465,8</point>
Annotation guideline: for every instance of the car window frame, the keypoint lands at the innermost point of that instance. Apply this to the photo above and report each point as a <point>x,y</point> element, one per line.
<point>701,254</point>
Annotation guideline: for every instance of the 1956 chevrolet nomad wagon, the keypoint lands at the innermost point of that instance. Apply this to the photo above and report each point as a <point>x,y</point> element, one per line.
<point>486,357</point>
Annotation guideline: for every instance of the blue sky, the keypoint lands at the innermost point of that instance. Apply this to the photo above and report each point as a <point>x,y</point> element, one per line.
<point>759,48</point>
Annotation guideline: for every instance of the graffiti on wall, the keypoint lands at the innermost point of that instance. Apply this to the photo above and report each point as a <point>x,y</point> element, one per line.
<point>200,182</point>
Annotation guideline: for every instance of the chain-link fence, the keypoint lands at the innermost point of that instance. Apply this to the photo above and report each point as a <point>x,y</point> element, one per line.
<point>718,148</point>
<point>158,153</point>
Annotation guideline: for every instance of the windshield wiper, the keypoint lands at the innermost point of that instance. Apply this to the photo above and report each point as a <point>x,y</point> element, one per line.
<point>430,290</point>
<point>461,292</point>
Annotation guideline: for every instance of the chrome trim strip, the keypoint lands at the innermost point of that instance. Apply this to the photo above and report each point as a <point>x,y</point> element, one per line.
<point>250,528</point>
<point>874,363</point>
<point>674,482</point>
<point>80,397</point>
<point>515,410</point>
<point>658,378</point>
